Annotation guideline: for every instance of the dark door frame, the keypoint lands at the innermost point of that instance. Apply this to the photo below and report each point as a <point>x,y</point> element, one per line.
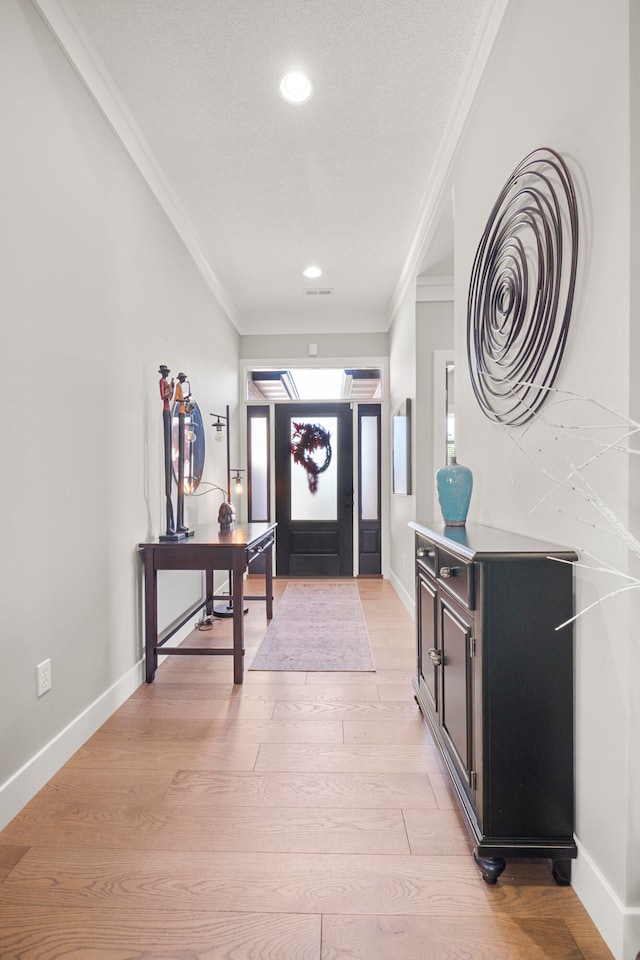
<point>314,548</point>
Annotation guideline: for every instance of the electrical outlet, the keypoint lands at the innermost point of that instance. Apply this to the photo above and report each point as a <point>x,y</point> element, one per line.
<point>43,677</point>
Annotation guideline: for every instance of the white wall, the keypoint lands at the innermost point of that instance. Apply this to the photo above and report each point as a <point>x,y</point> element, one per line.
<point>633,753</point>
<point>434,336</point>
<point>96,291</point>
<point>559,77</point>
<point>402,380</point>
<point>282,346</point>
<point>418,330</point>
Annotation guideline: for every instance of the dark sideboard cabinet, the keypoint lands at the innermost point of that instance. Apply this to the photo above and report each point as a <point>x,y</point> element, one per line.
<point>495,682</point>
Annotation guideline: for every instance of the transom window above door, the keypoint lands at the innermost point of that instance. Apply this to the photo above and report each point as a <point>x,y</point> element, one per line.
<point>315,383</point>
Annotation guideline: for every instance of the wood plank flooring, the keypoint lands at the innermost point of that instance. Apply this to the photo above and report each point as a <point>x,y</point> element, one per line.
<point>300,816</point>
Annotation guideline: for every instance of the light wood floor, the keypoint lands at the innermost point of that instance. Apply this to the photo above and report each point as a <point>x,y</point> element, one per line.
<point>297,817</point>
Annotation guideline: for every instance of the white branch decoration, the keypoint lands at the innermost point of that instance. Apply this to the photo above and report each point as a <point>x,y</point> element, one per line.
<point>568,476</point>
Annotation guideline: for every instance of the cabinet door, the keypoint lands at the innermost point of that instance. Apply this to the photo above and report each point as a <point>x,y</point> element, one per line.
<point>456,707</point>
<point>427,640</point>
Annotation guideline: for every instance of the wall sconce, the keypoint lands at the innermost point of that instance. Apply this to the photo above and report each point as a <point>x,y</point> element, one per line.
<point>219,426</point>
<point>227,513</point>
<point>222,422</point>
<point>238,480</point>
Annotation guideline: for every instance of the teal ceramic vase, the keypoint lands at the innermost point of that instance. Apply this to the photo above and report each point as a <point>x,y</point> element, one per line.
<point>454,484</point>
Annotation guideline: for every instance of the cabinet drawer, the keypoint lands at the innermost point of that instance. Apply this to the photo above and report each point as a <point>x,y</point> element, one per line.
<point>426,554</point>
<point>456,576</point>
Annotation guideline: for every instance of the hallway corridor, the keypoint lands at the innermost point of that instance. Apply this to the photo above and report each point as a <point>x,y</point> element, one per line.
<point>301,816</point>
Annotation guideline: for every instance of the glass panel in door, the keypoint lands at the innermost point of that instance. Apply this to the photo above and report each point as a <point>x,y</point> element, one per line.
<point>314,470</point>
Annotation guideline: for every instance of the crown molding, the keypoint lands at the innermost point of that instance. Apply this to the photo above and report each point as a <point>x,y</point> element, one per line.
<point>71,37</point>
<point>428,214</point>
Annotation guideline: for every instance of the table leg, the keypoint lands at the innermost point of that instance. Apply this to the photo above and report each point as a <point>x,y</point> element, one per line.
<point>238,623</point>
<point>150,615</point>
<point>209,592</point>
<point>269,580</point>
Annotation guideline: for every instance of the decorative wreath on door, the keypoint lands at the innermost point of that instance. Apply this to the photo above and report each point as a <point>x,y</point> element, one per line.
<point>306,439</point>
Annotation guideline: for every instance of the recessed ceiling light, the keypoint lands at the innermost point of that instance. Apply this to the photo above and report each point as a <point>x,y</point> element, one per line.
<point>312,272</point>
<point>295,87</point>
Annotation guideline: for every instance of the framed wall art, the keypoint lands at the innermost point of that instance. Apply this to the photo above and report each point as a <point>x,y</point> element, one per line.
<point>401,457</point>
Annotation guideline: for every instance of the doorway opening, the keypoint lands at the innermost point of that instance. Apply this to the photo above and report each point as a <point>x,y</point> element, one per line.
<point>314,466</point>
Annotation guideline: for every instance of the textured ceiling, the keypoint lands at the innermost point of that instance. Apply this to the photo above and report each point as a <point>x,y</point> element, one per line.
<point>271,188</point>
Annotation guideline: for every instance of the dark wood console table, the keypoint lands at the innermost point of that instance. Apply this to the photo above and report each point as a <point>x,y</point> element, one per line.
<point>208,549</point>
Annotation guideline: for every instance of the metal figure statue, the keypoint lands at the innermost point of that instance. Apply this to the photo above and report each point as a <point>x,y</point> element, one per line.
<point>184,406</point>
<point>166,393</point>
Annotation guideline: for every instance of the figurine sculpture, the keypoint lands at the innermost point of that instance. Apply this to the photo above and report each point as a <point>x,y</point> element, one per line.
<point>169,391</point>
<point>166,394</point>
<point>184,406</point>
<point>226,516</point>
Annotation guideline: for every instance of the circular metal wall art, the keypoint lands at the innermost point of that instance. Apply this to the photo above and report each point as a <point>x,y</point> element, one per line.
<point>521,290</point>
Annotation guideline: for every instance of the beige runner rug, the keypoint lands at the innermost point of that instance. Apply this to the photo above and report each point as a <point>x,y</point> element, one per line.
<point>318,625</point>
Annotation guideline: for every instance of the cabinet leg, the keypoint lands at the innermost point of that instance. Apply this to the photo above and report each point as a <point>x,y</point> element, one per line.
<point>561,870</point>
<point>490,867</point>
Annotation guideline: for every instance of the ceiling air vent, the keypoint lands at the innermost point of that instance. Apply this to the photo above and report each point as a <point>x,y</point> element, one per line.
<point>317,291</point>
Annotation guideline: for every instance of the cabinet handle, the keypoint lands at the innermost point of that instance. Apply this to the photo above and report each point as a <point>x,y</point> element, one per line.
<point>435,656</point>
<point>423,552</point>
<point>446,572</point>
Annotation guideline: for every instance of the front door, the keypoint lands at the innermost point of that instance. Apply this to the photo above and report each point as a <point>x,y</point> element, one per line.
<point>314,489</point>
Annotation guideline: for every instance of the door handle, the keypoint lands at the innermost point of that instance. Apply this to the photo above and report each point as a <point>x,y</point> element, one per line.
<point>435,656</point>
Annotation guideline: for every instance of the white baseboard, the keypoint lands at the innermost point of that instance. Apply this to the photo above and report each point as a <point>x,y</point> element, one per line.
<point>25,783</point>
<point>407,598</point>
<point>618,925</point>
<point>16,792</point>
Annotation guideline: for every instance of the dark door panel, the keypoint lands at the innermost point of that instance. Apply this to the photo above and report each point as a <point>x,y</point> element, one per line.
<point>457,699</point>
<point>428,652</point>
<point>305,546</point>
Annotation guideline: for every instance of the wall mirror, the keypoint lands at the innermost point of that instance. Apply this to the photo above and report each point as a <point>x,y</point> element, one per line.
<point>194,445</point>
<point>450,417</point>
<point>402,450</point>
<point>443,418</point>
